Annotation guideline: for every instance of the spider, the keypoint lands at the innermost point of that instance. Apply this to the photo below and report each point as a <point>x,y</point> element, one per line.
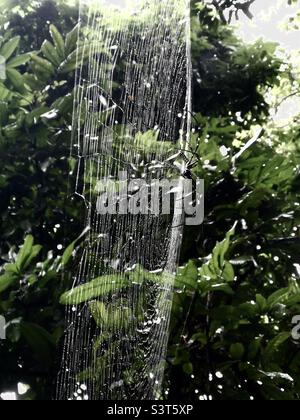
<point>179,161</point>
<point>188,164</point>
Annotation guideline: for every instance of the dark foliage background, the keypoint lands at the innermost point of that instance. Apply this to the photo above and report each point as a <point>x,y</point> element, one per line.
<point>237,290</point>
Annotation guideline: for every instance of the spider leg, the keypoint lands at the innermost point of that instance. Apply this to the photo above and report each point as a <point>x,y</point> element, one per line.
<point>193,152</point>
<point>193,164</point>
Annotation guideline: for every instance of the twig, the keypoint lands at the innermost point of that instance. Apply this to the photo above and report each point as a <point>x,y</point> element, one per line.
<point>297,92</point>
<point>247,145</point>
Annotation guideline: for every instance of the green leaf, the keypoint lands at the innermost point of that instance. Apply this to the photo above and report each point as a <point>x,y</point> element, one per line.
<point>188,368</point>
<point>58,41</point>
<point>228,272</point>
<point>68,253</point>
<point>98,287</point>
<point>43,65</point>
<point>10,47</point>
<point>32,279</point>
<point>237,351</point>
<point>40,341</point>
<point>223,287</point>
<point>248,310</point>
<point>217,266</point>
<point>281,296</point>
<point>111,316</point>
<point>261,302</point>
<point>6,281</point>
<point>70,249</point>
<point>100,364</point>
<point>278,376</point>
<point>12,268</point>
<point>74,59</point>
<point>71,40</point>
<point>206,273</point>
<point>187,276</point>
<point>70,64</point>
<point>139,276</point>
<point>25,252</point>
<point>65,105</point>
<point>254,348</point>
<point>35,251</point>
<point>18,61</point>
<point>182,356</point>
<point>99,312</point>
<point>26,255</point>
<point>5,94</point>
<point>16,79</point>
<point>293,300</point>
<point>201,338</point>
<point>274,345</point>
<point>224,246</point>
<point>50,53</point>
<point>13,331</point>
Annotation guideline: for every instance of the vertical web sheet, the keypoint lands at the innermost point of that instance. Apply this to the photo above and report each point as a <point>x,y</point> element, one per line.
<point>131,113</point>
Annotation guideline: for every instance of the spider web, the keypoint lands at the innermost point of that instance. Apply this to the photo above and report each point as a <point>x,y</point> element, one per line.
<point>131,111</point>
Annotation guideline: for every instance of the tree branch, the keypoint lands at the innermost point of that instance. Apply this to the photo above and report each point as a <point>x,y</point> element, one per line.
<point>245,8</point>
<point>297,92</point>
<point>234,8</point>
